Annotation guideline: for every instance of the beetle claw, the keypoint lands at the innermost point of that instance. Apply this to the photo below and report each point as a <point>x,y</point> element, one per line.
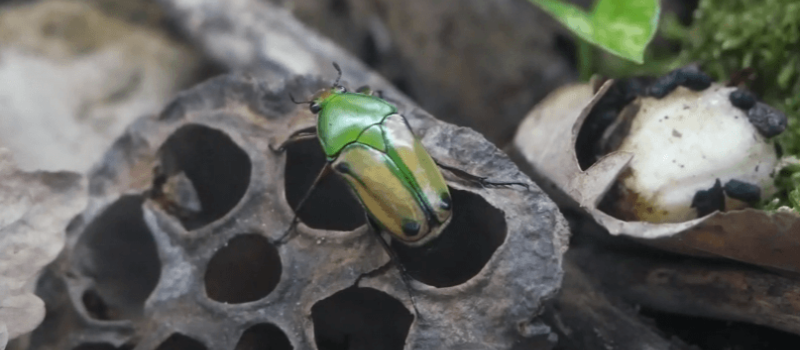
<point>280,149</point>
<point>383,269</point>
<point>480,180</point>
<point>287,235</point>
<point>486,183</point>
<point>299,135</point>
<point>393,260</point>
<point>366,90</point>
<point>291,97</point>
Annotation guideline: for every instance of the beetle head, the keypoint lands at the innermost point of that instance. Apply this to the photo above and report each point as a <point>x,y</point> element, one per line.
<point>321,97</point>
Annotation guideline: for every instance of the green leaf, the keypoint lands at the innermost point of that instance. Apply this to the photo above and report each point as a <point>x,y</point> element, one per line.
<point>625,27</point>
<point>575,19</point>
<point>621,27</point>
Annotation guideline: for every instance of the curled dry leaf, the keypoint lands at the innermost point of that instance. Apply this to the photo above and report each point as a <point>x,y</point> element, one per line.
<point>546,141</point>
<point>36,207</point>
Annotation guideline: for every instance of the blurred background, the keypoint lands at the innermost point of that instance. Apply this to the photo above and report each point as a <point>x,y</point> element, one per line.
<point>74,74</point>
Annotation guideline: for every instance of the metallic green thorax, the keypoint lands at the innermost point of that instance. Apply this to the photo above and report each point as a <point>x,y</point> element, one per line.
<point>346,117</point>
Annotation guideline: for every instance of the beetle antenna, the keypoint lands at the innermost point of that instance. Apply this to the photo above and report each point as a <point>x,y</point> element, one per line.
<point>338,69</point>
<point>298,102</point>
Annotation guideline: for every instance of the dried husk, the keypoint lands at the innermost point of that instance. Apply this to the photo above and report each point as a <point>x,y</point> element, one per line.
<point>748,235</point>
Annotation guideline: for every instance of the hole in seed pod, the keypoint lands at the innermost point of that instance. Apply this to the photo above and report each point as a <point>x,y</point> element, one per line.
<point>331,206</point>
<point>360,318</point>
<point>102,346</point>
<point>51,287</point>
<point>205,174</point>
<point>178,341</point>
<point>246,269</point>
<point>97,308</point>
<point>462,249</point>
<point>264,336</point>
<point>117,250</point>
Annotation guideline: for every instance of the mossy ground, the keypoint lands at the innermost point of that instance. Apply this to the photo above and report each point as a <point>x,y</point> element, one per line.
<point>729,35</point>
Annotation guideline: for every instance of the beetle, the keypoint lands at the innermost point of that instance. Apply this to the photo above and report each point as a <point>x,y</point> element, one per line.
<point>368,144</point>
<point>374,149</point>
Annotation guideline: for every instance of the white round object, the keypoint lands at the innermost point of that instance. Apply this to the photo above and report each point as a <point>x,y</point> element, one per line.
<point>685,142</point>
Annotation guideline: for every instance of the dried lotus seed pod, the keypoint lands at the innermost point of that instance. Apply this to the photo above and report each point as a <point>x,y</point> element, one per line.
<point>179,247</point>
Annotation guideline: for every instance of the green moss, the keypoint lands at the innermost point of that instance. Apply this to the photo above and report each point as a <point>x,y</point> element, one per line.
<point>788,182</point>
<point>728,35</point>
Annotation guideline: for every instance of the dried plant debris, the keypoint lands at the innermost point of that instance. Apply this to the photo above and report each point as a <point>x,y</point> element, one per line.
<point>588,319</point>
<point>36,207</point>
<point>681,170</point>
<point>73,77</point>
<point>194,261</point>
<point>697,287</point>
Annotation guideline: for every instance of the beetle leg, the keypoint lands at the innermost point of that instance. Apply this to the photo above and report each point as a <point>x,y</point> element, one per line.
<point>382,269</point>
<point>368,91</point>
<point>481,180</point>
<point>299,135</point>
<point>393,261</point>
<point>295,219</point>
<point>374,273</point>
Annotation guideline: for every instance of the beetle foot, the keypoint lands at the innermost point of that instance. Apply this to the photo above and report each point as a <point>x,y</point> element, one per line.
<point>481,180</point>
<point>280,148</point>
<point>383,269</point>
<point>368,91</point>
<point>374,273</point>
<point>287,236</point>
<point>299,135</point>
<point>485,183</point>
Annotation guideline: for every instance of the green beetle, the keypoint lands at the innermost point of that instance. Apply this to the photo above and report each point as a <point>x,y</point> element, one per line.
<point>370,145</point>
<point>373,148</point>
